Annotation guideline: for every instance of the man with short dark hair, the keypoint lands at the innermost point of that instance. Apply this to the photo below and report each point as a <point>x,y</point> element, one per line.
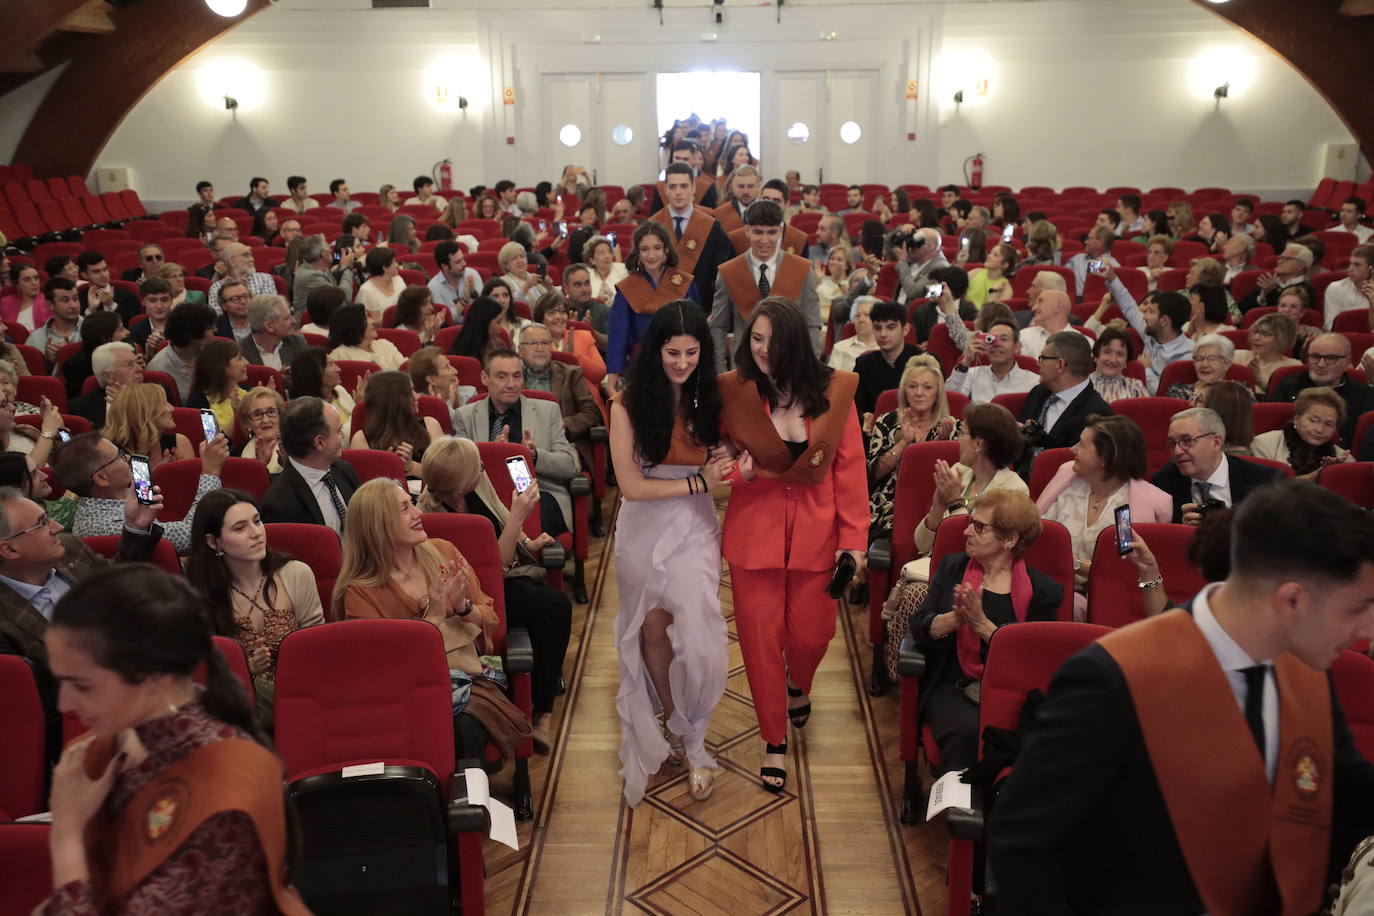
<point>198,212</point>
<point>272,340</point>
<point>948,195</point>
<point>1130,222</point>
<point>744,190</point>
<point>157,303</point>
<point>343,199</point>
<point>793,239</point>
<point>300,199</point>
<point>1063,401</point>
<point>190,326</point>
<point>150,258</point>
<point>1352,212</point>
<point>1107,218</point>
<point>315,484</point>
<point>1201,474</point>
<point>577,287</point>
<point>356,228</point>
<point>256,199</point>
<point>233,319</point>
<point>1349,292</point>
<point>505,197</point>
<point>99,294</point>
<point>881,369</point>
<point>853,200</point>
<point>1242,211</point>
<point>764,270</point>
<point>698,238</point>
<point>1001,375</point>
<point>423,186</point>
<point>64,324</point>
<point>1328,364</point>
<point>456,284</point>
<point>1291,217</point>
<point>703,186</point>
<point>953,283</point>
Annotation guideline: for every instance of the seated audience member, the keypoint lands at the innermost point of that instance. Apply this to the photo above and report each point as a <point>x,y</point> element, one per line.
<point>20,473</point>
<point>98,293</point>
<point>189,328</point>
<point>1201,475</point>
<point>219,382</point>
<point>139,422</point>
<point>1128,209</point>
<point>606,269</point>
<point>882,369</point>
<point>846,352</point>
<point>116,366</point>
<point>1050,311</point>
<point>97,471</point>
<point>174,275</point>
<point>483,331</point>
<point>394,424</point>
<point>523,283</point>
<point>921,415</point>
<point>315,484</point>
<point>233,320</point>
<point>582,306</point>
<point>1158,250</point>
<point>1307,442</point>
<point>237,266</point>
<point>568,383</point>
<point>456,482</point>
<point>506,415</point>
<point>455,285</point>
<point>26,306</point>
<point>260,417</point>
<point>63,325</point>
<point>415,312</point>
<point>1063,401</point>
<point>1108,470</point>
<point>424,194</point>
<point>1351,213</point>
<point>343,198</point>
<point>250,593</point>
<point>951,301</point>
<point>1113,351</point>
<point>313,374</point>
<point>1207,309</point>
<point>1350,292</point>
<point>384,284</point>
<point>272,340</point>
<point>972,593</point>
<point>96,329</point>
<point>1159,321</point>
<point>315,272</point>
<point>1097,246</point>
<point>1091,789</point>
<point>388,196</point>
<point>552,313</point>
<point>353,336</point>
<point>510,324</point>
<point>1212,357</point>
<point>59,265</point>
<point>24,439</point>
<point>320,305</point>
<point>1237,256</point>
<point>9,390</point>
<point>1235,405</point>
<point>147,335</point>
<point>432,374</point>
<point>392,569</point>
<point>257,197</point>
<point>1001,375</point>
<point>1294,303</point>
<point>267,227</point>
<point>1328,361</point>
<point>1291,269</point>
<point>992,281</point>
<point>1271,340</point>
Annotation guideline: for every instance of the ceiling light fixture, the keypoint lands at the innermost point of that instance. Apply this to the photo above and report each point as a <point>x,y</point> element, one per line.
<point>227,8</point>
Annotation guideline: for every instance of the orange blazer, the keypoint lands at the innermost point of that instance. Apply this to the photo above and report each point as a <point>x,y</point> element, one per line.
<point>588,356</point>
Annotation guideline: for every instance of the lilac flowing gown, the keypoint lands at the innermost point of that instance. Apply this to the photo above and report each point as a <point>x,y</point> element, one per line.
<point>667,554</point>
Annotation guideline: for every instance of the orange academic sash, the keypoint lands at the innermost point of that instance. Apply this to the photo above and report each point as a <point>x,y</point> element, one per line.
<point>1250,848</point>
<point>703,184</point>
<point>694,235</point>
<point>645,299</point>
<point>230,775</point>
<point>793,240</point>
<point>728,216</point>
<point>743,286</point>
<point>744,417</point>
<point>684,448</point>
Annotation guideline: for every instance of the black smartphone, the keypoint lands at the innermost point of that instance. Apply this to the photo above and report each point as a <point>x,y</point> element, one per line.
<point>208,424</point>
<point>1123,530</point>
<point>64,435</point>
<point>143,479</point>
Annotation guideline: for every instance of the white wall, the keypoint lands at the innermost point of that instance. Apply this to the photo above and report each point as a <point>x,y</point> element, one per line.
<point>1096,92</point>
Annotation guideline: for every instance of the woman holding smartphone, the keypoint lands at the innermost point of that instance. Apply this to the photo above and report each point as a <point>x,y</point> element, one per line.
<point>801,517</point>
<point>670,632</point>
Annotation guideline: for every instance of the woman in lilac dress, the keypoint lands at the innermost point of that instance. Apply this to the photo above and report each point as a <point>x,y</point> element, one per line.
<point>670,632</point>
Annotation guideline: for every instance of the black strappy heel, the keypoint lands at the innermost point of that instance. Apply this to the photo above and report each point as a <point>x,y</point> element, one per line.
<point>778,773</point>
<point>799,715</point>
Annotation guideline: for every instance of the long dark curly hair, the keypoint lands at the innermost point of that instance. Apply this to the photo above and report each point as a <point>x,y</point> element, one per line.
<point>647,388</point>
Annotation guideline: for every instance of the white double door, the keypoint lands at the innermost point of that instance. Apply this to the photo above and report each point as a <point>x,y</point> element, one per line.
<point>610,116</point>
<point>836,111</point>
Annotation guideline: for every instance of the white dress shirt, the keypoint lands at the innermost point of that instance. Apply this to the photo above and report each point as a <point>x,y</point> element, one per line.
<point>980,384</point>
<point>1055,405</point>
<point>315,480</point>
<point>772,263</point>
<point>1342,296</point>
<point>1032,339</point>
<point>1233,660</point>
<point>1219,484</point>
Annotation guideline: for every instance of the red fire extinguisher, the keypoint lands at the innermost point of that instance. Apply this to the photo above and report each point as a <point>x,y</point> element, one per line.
<point>974,176</point>
<point>446,175</point>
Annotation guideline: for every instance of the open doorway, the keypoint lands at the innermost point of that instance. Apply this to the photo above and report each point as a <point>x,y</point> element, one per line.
<point>729,94</point>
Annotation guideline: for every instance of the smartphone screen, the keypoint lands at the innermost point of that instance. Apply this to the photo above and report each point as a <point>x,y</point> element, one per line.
<point>610,237</point>
<point>543,225</point>
<point>143,479</point>
<point>519,473</point>
<point>1123,530</point>
<point>64,435</point>
<point>563,229</point>
<point>935,290</point>
<point>1008,231</point>
<point>964,242</point>
<point>209,424</point>
<point>1095,266</point>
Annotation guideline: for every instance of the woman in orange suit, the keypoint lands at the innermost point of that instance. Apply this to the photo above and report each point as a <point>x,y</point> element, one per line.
<point>804,504</point>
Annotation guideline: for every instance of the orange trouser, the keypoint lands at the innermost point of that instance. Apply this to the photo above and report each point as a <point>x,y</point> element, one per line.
<point>785,621</point>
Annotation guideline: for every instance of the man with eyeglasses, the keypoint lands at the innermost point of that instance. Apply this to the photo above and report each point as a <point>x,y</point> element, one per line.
<point>99,473</point>
<point>237,261</point>
<point>233,320</point>
<point>1328,362</point>
<point>1061,404</point>
<point>150,258</point>
<point>565,382</point>
<point>1290,270</point>
<point>39,563</point>
<point>1202,476</point>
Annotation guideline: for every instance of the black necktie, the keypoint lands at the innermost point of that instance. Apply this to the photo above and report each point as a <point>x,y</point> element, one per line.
<point>334,497</point>
<point>764,285</point>
<point>1254,702</point>
<point>1204,492</point>
<point>677,222</point>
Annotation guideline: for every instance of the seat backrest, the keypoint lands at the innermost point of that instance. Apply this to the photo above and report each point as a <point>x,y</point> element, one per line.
<point>1023,658</point>
<point>178,481</point>
<point>405,340</point>
<point>1353,676</point>
<point>107,545</point>
<point>1353,481</point>
<point>1283,467</point>
<point>475,539</point>
<point>371,463</point>
<point>22,751</point>
<point>915,488</point>
<point>364,691</point>
<point>352,370</point>
<point>1270,415</point>
<point>33,388</point>
<point>431,406</point>
<point>1152,415</point>
<point>248,475</point>
<point>266,376</point>
<point>25,867</point>
<point>317,546</point>
<point>237,659</point>
<point>1113,598</point>
<point>1012,402</point>
<point>1045,466</point>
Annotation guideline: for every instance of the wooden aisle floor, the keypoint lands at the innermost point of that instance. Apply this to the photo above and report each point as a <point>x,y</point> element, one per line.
<point>829,844</point>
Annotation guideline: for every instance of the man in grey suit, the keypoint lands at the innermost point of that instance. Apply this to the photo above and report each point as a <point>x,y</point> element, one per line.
<point>315,270</point>
<point>272,339</point>
<point>505,415</point>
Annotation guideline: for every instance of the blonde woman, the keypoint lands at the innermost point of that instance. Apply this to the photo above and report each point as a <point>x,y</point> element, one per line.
<point>175,275</point>
<point>832,278</point>
<point>260,416</point>
<point>1271,340</point>
<point>1181,220</point>
<point>139,420</point>
<point>389,197</point>
<point>456,212</point>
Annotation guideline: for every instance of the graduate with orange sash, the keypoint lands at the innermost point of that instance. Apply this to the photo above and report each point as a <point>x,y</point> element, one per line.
<point>1199,761</point>
<point>654,281</point>
<point>704,194</point>
<point>803,506</point>
<point>700,243</point>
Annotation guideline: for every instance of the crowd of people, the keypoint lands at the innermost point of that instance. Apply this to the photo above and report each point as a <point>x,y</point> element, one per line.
<point>732,339</point>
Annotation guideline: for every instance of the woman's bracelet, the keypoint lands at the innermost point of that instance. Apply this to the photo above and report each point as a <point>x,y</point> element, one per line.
<point>701,484</point>
<point>692,485</point>
<point>1151,584</point>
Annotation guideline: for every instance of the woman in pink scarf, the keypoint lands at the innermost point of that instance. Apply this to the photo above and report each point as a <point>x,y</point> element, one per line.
<point>972,594</point>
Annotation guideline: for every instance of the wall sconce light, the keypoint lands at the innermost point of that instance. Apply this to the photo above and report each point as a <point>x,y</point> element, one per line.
<point>230,103</point>
<point>1222,91</point>
<point>959,97</point>
<point>462,103</point>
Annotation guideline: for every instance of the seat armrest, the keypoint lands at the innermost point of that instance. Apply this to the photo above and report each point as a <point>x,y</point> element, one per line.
<point>552,556</point>
<point>579,486</point>
<point>880,554</point>
<point>967,823</point>
<point>519,654</point>
<point>911,660</point>
<point>463,817</point>
<point>598,434</point>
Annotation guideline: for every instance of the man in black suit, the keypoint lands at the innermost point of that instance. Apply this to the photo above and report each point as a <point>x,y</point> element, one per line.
<point>1328,361</point>
<point>1064,400</point>
<point>704,194</point>
<point>1201,471</point>
<point>150,258</point>
<point>99,294</point>
<point>1200,762</point>
<point>272,340</point>
<point>314,485</point>
<point>701,244</point>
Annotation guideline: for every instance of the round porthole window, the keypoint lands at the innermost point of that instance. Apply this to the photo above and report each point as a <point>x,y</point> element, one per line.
<point>570,135</point>
<point>622,135</point>
<point>798,132</point>
<point>850,132</point>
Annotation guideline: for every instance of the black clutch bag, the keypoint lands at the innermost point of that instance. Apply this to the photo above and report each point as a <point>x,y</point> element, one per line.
<point>845,568</point>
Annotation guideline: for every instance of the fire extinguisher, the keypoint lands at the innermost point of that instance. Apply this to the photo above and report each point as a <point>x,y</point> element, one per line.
<point>974,177</point>
<point>446,175</point>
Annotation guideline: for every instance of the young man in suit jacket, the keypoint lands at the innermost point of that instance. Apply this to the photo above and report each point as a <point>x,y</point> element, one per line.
<point>1201,470</point>
<point>1199,761</point>
<point>1064,400</point>
<point>314,485</point>
<point>505,415</point>
<point>699,240</point>
<point>703,186</point>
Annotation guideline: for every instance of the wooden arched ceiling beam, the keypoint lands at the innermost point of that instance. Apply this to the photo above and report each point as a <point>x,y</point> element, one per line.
<point>107,74</point>
<point>1328,41</point>
<point>24,25</point>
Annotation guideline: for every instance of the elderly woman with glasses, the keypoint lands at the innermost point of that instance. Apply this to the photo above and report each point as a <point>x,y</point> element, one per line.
<point>552,312</point>
<point>1307,442</point>
<point>260,416</point>
<point>1212,356</point>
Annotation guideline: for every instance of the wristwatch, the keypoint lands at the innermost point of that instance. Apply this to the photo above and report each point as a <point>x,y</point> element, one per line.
<point>960,367</point>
